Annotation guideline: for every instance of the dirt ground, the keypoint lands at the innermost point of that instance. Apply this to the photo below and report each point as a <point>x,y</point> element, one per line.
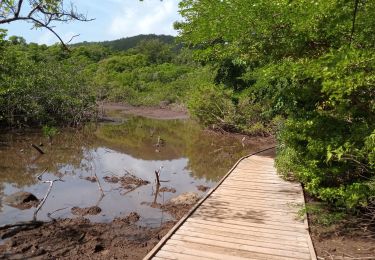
<point>344,240</point>
<point>80,239</point>
<point>124,239</point>
<point>161,112</point>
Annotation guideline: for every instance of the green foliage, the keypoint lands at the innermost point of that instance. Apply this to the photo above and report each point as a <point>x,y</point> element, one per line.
<point>155,51</point>
<point>147,75</point>
<point>37,89</point>
<point>47,85</point>
<point>328,144</point>
<point>212,105</point>
<point>320,215</point>
<point>128,43</point>
<point>49,131</point>
<point>303,68</point>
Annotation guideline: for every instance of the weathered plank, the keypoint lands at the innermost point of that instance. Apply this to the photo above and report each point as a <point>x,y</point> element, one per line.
<point>251,214</point>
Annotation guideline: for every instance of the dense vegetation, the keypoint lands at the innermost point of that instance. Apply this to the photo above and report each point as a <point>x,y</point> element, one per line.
<point>43,85</point>
<point>305,67</point>
<point>40,86</point>
<point>125,44</point>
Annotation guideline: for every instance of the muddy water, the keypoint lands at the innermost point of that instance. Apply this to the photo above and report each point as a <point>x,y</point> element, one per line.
<point>189,157</point>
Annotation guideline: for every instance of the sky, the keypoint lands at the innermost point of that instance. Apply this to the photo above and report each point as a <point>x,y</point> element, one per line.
<point>114,19</point>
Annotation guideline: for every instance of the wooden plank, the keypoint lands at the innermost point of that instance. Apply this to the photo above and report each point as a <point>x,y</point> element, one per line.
<point>246,200</point>
<point>250,214</point>
<point>251,209</point>
<point>257,193</point>
<point>268,190</point>
<point>243,235</point>
<point>289,206</point>
<point>248,180</point>
<point>185,249</point>
<point>248,232</point>
<point>253,228</point>
<point>281,186</point>
<point>224,253</point>
<point>265,187</point>
<point>255,241</point>
<point>173,255</point>
<point>258,205</point>
<point>264,176</point>
<point>254,223</point>
<point>260,193</point>
<point>250,248</point>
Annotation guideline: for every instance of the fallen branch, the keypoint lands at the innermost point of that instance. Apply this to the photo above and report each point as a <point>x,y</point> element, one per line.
<point>51,182</point>
<point>99,185</point>
<point>40,175</point>
<point>50,213</point>
<point>132,189</point>
<point>37,148</point>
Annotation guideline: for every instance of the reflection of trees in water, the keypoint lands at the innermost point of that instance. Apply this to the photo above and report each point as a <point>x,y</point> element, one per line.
<point>20,163</point>
<point>210,155</point>
<point>138,137</point>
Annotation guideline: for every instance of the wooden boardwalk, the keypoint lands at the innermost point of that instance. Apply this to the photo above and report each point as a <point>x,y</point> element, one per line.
<point>251,214</point>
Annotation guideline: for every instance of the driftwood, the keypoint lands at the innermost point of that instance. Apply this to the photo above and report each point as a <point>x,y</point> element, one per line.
<point>49,214</point>
<point>37,148</point>
<point>97,179</point>
<point>99,185</point>
<point>132,189</point>
<point>51,182</point>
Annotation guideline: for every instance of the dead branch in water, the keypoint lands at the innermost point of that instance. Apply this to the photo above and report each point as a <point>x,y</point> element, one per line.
<point>99,200</point>
<point>157,174</point>
<point>50,213</point>
<point>51,182</point>
<point>40,175</point>
<point>157,177</point>
<point>131,190</point>
<point>99,185</point>
<point>93,170</point>
<point>37,148</point>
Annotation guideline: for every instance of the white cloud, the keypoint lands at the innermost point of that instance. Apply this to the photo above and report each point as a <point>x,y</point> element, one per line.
<point>149,16</point>
<point>49,38</point>
<point>46,38</point>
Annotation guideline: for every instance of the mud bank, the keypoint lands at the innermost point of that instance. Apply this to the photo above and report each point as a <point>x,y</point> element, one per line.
<point>160,112</point>
<point>81,239</point>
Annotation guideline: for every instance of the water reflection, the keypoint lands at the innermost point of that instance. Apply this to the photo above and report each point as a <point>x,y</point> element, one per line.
<point>189,156</point>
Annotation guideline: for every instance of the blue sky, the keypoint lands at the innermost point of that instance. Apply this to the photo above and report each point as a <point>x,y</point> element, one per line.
<point>114,19</point>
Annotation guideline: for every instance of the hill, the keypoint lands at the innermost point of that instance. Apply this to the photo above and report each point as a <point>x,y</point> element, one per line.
<point>124,44</point>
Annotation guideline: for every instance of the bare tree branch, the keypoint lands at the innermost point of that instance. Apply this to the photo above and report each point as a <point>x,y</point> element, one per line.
<point>41,14</point>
